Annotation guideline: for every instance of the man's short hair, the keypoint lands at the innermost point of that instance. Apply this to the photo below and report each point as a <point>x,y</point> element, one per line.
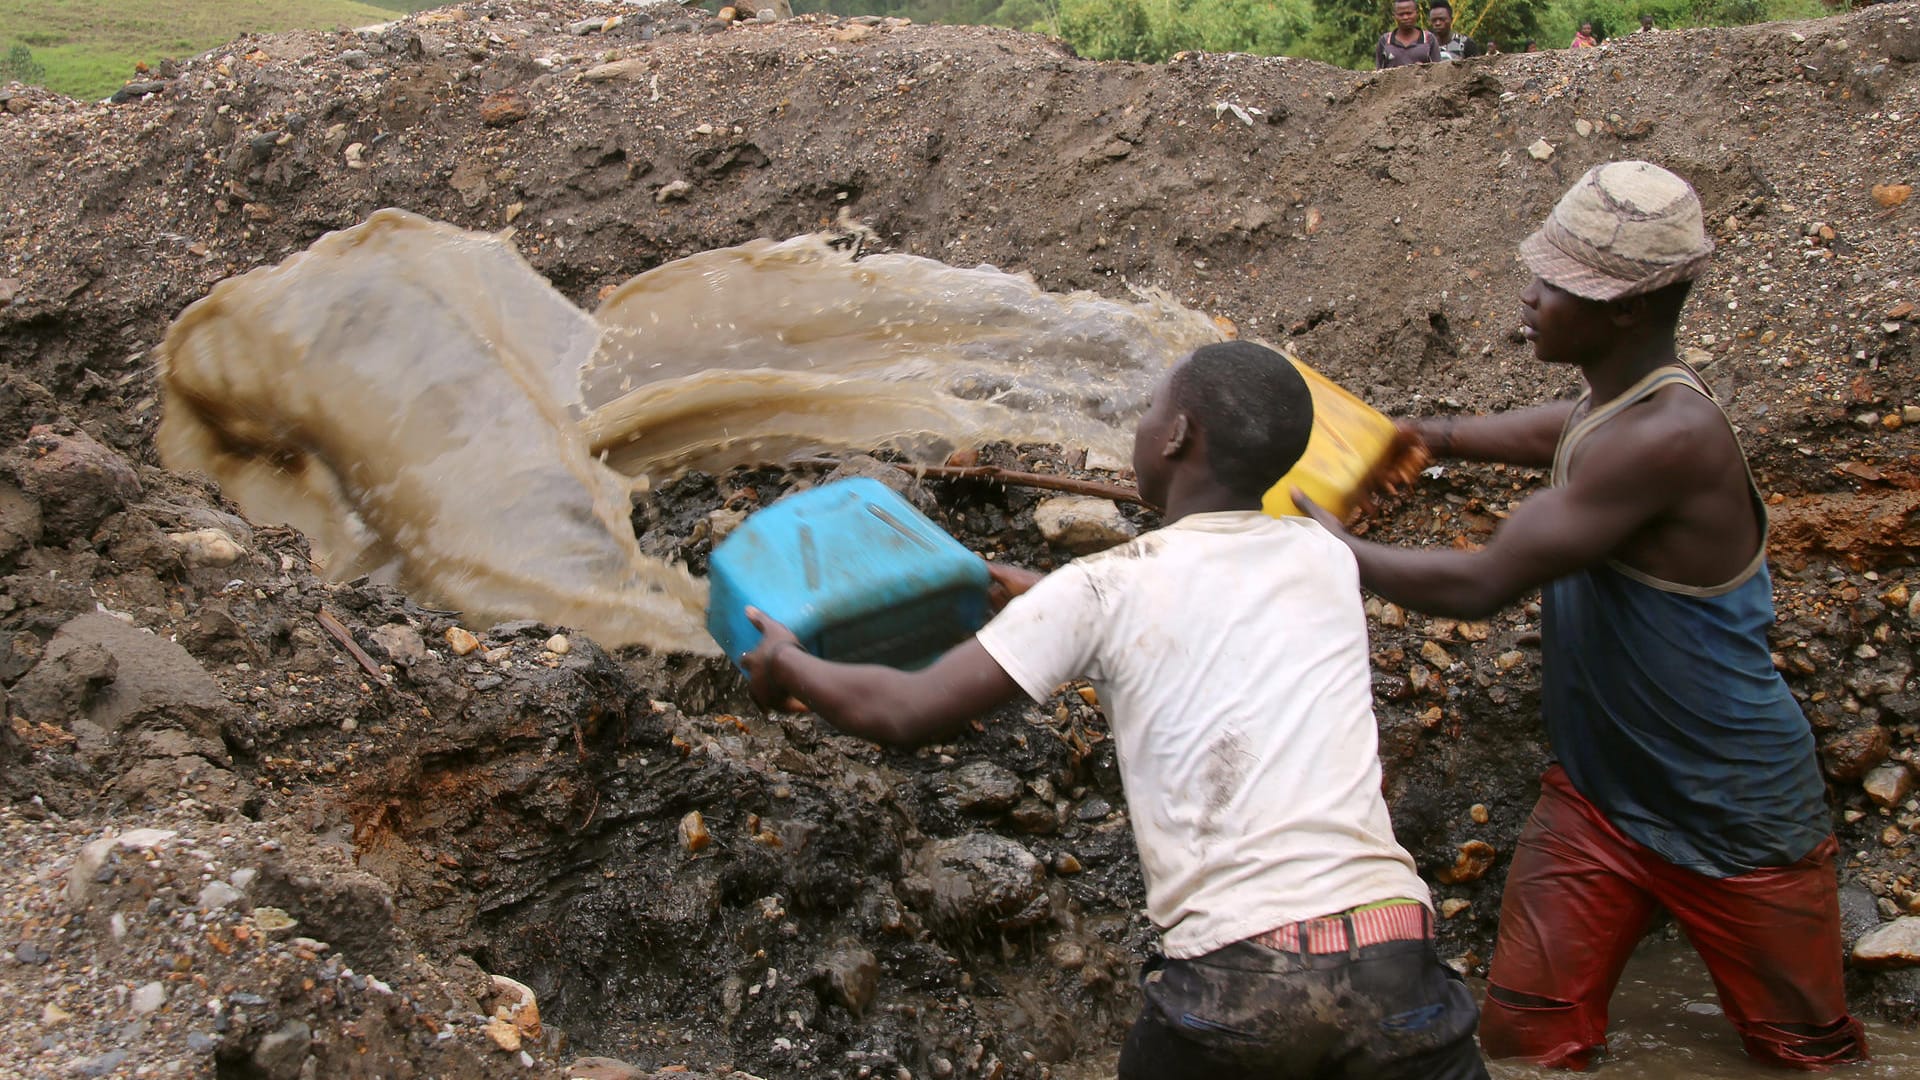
<point>1436,5</point>
<point>1254,408</point>
<point>1415,3</point>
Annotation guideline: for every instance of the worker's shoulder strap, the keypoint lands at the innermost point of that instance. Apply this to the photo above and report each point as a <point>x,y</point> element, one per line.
<point>1579,427</point>
<point>1676,374</point>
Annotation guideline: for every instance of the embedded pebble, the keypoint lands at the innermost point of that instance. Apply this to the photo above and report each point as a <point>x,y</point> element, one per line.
<point>1474,860</point>
<point>207,547</point>
<point>402,642</point>
<point>1889,785</point>
<point>148,998</point>
<point>218,894</point>
<point>694,836</point>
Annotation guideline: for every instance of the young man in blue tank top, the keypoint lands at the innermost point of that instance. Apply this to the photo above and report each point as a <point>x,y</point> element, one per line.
<point>1685,774</point>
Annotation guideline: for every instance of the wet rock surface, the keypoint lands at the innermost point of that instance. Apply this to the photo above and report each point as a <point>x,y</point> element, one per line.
<point>390,823</point>
<point>1082,525</point>
<point>1896,944</point>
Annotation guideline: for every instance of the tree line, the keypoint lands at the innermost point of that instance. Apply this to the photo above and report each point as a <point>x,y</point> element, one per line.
<point>1337,31</point>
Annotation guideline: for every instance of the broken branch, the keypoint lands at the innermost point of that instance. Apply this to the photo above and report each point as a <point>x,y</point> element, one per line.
<point>340,633</point>
<point>1071,485</point>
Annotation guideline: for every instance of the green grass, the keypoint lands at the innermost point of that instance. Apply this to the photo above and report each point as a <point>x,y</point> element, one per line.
<point>88,47</point>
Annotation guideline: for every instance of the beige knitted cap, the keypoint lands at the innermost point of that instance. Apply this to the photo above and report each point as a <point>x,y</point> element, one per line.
<point>1625,228</point>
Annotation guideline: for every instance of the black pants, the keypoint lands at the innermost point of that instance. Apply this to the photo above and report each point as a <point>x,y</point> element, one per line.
<point>1386,1012</point>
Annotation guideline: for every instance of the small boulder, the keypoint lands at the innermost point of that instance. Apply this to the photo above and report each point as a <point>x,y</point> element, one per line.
<point>461,640</point>
<point>504,108</point>
<point>151,679</point>
<point>1852,754</point>
<point>852,976</point>
<point>978,880</point>
<point>281,1054</point>
<point>1896,944</point>
<point>979,787</point>
<point>1859,913</point>
<point>631,68</point>
<point>1889,785</point>
<point>403,644</point>
<point>605,1068</point>
<point>77,481</point>
<point>215,895</point>
<point>1081,524</point>
<point>207,547</point>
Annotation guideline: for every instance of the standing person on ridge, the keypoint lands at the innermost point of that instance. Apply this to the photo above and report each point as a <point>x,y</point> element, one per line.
<point>1229,651</point>
<point>1686,776</point>
<point>1406,43</point>
<point>1452,46</point>
<point>1584,38</point>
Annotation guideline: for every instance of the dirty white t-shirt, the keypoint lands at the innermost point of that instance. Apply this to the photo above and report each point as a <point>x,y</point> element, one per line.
<point>1229,652</point>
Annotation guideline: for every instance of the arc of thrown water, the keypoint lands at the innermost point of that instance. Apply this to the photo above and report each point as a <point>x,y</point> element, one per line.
<point>424,405</point>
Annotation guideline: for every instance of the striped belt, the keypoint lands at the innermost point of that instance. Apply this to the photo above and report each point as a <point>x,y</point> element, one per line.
<point>1371,925</point>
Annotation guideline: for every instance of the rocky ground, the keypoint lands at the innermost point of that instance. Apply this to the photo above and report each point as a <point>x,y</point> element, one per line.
<point>260,824</point>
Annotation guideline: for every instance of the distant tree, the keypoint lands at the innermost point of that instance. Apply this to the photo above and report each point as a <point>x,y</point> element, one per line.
<point>1500,20</point>
<point>1344,30</point>
<point>1153,30</point>
<point>1109,30</point>
<point>1728,12</point>
<point>19,65</point>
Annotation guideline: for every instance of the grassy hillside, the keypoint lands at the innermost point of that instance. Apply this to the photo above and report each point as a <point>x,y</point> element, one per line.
<point>87,48</point>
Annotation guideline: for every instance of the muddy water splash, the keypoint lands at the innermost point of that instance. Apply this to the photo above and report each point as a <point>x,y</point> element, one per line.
<point>427,408</point>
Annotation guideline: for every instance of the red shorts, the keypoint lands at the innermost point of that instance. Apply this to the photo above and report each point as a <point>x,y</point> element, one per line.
<point>1580,895</point>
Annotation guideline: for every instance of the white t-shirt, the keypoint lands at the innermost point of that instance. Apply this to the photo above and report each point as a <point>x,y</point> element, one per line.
<point>1229,651</point>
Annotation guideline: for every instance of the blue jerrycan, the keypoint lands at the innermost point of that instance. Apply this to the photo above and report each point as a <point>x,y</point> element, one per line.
<point>854,571</point>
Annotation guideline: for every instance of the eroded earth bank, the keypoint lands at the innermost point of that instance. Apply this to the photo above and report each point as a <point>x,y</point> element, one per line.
<point>260,824</point>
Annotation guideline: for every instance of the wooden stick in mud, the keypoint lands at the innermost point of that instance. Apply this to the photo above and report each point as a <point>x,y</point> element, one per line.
<point>341,634</point>
<point>1048,481</point>
<point>1071,485</point>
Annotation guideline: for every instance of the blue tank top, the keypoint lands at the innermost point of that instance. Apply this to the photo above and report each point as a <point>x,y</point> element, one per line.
<point>1662,703</point>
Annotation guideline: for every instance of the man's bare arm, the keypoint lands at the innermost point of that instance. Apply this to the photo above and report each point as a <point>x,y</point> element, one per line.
<point>886,705</point>
<point>1521,437</point>
<point>1629,475</point>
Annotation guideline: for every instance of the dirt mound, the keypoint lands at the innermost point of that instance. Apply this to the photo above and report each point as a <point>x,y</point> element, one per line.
<point>433,806</point>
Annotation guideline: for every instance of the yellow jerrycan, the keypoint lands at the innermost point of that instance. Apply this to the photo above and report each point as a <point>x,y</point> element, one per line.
<point>1350,440</point>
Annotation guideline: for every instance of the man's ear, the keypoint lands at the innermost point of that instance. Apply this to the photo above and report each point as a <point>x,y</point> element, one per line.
<point>1179,437</point>
<point>1631,311</point>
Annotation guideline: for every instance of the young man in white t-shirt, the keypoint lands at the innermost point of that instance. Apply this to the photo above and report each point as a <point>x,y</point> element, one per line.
<point>1230,653</point>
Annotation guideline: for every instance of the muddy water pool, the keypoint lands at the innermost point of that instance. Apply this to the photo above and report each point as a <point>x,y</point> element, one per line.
<point>1666,1025</point>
